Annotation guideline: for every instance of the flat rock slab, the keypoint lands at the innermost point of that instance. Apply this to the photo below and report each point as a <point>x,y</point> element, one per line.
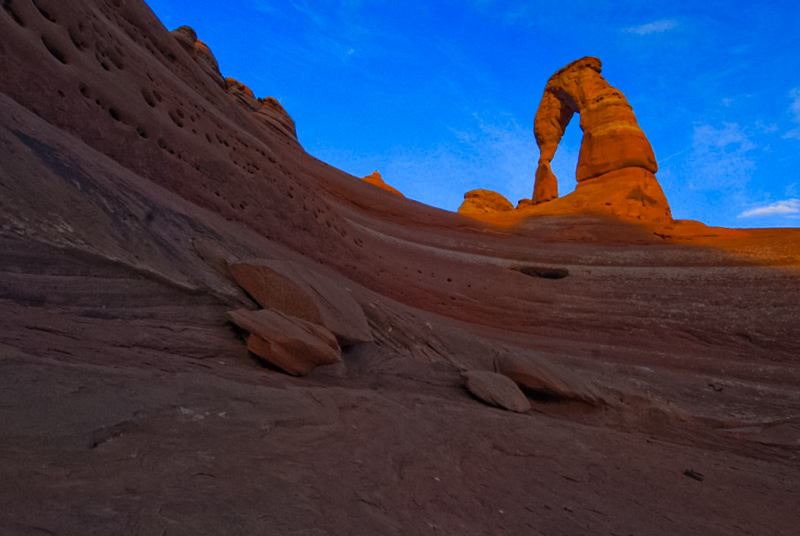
<point>289,343</point>
<point>496,390</point>
<point>539,374</point>
<point>297,291</point>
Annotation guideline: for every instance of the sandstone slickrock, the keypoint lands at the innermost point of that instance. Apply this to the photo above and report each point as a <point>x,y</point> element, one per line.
<point>496,390</point>
<point>539,375</point>
<point>289,343</point>
<point>131,178</point>
<point>484,201</point>
<point>235,86</point>
<point>272,113</point>
<point>198,50</point>
<point>375,179</point>
<point>300,292</point>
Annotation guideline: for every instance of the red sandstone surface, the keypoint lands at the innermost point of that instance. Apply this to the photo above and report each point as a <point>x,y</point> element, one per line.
<point>660,358</point>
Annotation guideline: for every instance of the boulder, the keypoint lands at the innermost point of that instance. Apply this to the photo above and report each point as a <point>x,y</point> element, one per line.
<point>287,342</point>
<point>376,180</point>
<point>297,291</point>
<point>484,202</point>
<point>496,390</point>
<point>540,375</point>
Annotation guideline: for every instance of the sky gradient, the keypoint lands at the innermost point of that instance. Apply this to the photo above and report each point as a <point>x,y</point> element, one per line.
<point>440,97</point>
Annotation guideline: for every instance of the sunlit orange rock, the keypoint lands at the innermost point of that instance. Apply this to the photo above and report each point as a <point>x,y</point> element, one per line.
<point>376,180</point>
<point>132,183</point>
<point>483,202</point>
<point>631,194</point>
<point>235,85</point>
<point>616,165</point>
<point>612,139</point>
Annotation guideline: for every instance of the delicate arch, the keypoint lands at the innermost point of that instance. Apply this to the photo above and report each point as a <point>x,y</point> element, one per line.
<point>612,139</point>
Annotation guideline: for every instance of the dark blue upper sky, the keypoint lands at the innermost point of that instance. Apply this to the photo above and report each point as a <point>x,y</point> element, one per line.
<point>440,97</point>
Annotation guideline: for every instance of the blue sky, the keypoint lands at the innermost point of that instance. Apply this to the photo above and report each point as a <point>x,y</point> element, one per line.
<point>440,97</point>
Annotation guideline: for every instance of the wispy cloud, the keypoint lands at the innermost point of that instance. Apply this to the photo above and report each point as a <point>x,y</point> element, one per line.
<point>316,15</point>
<point>719,159</point>
<point>509,12</point>
<point>500,152</point>
<point>493,152</point>
<point>322,33</point>
<point>779,208</point>
<point>521,13</point>
<point>794,109</point>
<point>766,128</point>
<point>659,26</point>
<point>267,6</point>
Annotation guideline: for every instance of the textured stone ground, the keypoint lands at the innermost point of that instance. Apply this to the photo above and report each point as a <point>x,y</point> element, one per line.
<point>130,405</point>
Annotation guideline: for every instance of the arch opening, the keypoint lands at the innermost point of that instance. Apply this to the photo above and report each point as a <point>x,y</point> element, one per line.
<point>612,139</point>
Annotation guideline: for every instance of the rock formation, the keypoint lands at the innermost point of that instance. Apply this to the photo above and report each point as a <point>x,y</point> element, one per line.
<point>496,390</point>
<point>484,202</point>
<point>136,192</point>
<point>375,179</point>
<point>538,375</point>
<point>612,139</point>
<point>303,293</point>
<point>616,164</point>
<point>267,109</point>
<point>274,115</point>
<point>198,50</point>
<point>287,342</point>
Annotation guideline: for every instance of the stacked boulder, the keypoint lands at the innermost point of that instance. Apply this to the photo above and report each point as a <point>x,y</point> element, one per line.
<point>306,317</point>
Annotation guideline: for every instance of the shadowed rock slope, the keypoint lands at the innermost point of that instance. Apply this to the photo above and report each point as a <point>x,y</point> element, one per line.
<point>147,200</point>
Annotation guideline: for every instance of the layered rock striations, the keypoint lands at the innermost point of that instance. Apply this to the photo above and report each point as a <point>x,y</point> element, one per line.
<point>150,217</point>
<point>612,139</point>
<point>300,292</point>
<point>616,165</point>
<point>287,342</point>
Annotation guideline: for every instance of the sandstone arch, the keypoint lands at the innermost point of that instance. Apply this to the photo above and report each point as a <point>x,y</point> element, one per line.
<point>612,139</point>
